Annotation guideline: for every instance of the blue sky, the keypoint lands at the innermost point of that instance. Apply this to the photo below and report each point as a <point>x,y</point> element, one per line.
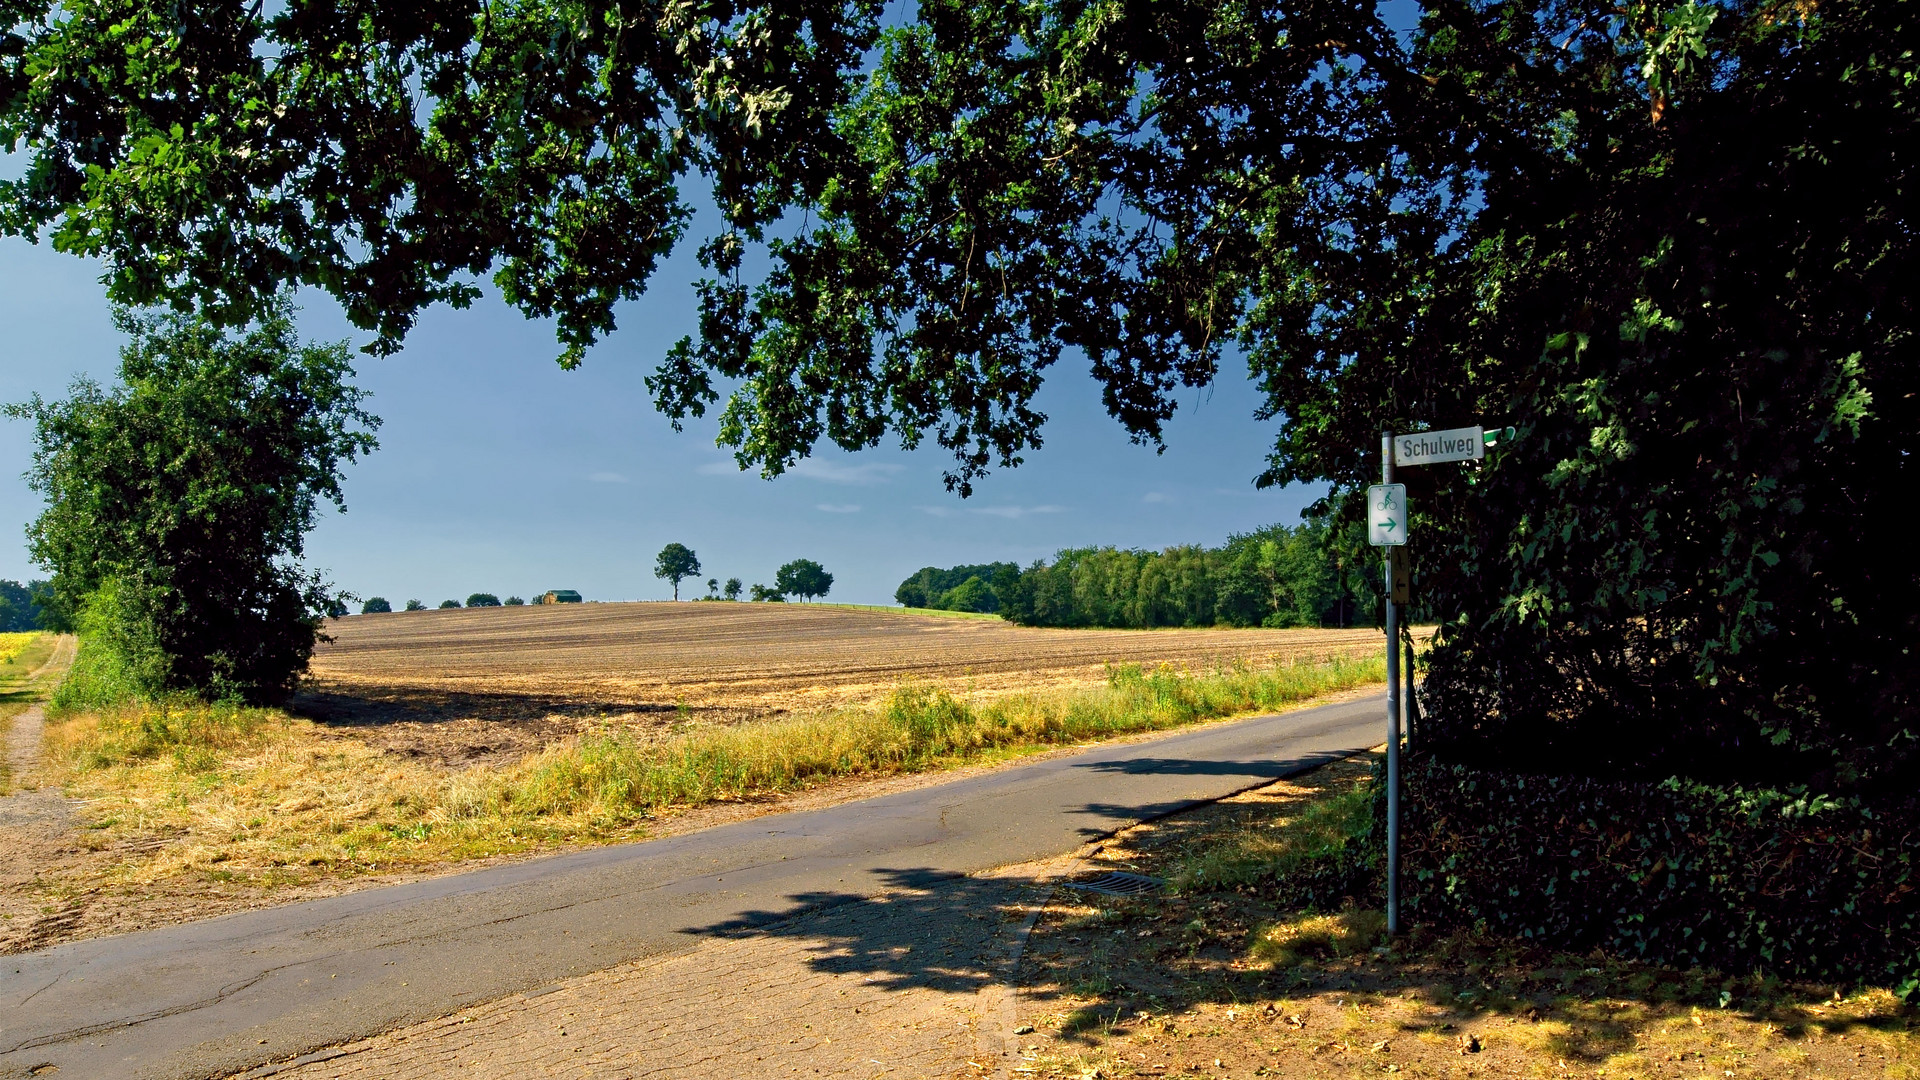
<point>499,472</point>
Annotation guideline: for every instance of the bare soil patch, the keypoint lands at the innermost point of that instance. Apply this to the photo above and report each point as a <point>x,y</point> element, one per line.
<point>458,686</point>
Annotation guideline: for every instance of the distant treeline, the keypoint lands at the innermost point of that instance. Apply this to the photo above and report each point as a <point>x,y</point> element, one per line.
<point>29,607</point>
<point>1277,576</point>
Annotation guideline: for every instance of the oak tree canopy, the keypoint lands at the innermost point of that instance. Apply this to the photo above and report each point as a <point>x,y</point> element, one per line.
<point>1669,243</point>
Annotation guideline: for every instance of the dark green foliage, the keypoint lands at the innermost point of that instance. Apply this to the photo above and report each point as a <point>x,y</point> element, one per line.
<point>1277,576</point>
<point>178,502</point>
<point>514,601</point>
<point>1671,244</point>
<point>388,152</point>
<point>415,605</point>
<point>803,578</point>
<point>931,585</point>
<point>375,605</point>
<point>676,562</point>
<point>733,588</point>
<point>20,606</point>
<point>1672,247</point>
<point>713,588</point>
<point>56,613</point>
<point>764,595</point>
<point>483,599</point>
<point>972,594</point>
<point>444,604</point>
<point>1676,872</point>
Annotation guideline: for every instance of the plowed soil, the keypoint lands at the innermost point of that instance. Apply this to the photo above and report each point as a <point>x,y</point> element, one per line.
<point>457,685</point>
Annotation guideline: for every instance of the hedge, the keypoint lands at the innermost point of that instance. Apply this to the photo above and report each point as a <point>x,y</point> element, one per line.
<point>1676,872</point>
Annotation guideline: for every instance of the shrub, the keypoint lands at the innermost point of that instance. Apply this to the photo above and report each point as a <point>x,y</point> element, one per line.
<point>514,601</point>
<point>764,595</point>
<point>449,604</point>
<point>375,605</point>
<point>415,605</point>
<point>1675,872</point>
<point>189,488</point>
<point>120,658</point>
<point>482,599</point>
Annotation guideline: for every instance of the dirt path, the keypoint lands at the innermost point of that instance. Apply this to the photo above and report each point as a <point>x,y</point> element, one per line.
<point>35,819</point>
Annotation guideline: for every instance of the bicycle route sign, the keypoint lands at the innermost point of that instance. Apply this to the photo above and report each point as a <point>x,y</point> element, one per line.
<point>1387,515</point>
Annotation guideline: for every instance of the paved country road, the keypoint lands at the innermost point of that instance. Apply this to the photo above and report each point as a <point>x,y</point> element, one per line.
<point>215,997</point>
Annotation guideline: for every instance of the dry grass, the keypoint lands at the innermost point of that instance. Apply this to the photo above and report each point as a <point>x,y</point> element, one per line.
<point>1212,980</point>
<point>266,798</point>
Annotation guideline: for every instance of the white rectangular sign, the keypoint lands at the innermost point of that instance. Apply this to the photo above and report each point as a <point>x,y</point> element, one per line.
<point>1437,447</point>
<point>1387,515</point>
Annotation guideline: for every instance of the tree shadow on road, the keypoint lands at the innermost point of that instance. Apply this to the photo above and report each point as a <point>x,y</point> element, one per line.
<point>1221,979</point>
<point>929,929</point>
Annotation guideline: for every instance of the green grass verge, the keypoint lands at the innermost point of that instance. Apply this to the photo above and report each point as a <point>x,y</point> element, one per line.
<point>918,729</point>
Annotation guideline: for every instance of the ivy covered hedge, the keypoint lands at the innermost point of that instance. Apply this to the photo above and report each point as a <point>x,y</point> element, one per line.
<point>1676,872</point>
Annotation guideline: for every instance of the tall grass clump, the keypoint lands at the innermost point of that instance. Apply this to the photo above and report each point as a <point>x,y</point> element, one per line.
<point>918,728</point>
<point>195,734</point>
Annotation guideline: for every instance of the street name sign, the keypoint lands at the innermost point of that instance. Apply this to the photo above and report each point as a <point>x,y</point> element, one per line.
<point>1438,447</point>
<point>1387,515</point>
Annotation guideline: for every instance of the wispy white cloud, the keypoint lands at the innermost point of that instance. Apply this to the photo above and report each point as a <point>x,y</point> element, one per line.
<point>865,474</point>
<point>718,468</point>
<point>1154,497</point>
<point>838,508</point>
<point>607,478</point>
<point>1016,511</point>
<point>937,511</point>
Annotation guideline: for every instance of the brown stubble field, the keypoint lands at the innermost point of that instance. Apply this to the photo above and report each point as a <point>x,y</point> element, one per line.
<point>456,686</point>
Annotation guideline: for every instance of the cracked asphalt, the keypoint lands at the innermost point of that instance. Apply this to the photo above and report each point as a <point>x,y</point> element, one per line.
<point>228,995</point>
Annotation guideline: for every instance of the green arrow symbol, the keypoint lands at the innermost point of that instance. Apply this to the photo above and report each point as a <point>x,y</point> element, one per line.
<point>1392,525</point>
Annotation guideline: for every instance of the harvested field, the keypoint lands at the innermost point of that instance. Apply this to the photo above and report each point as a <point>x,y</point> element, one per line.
<point>458,685</point>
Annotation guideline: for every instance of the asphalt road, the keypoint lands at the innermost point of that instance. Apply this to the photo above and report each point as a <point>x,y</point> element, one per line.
<point>215,997</point>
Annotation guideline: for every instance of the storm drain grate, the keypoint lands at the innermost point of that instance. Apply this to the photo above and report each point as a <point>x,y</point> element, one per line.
<point>1118,883</point>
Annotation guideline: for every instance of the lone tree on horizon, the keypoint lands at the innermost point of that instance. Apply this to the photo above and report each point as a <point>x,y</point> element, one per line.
<point>803,578</point>
<point>676,563</point>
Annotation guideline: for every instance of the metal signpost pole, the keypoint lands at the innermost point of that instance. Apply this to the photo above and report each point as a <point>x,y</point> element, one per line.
<point>1412,708</point>
<point>1393,715</point>
<point>1388,527</point>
